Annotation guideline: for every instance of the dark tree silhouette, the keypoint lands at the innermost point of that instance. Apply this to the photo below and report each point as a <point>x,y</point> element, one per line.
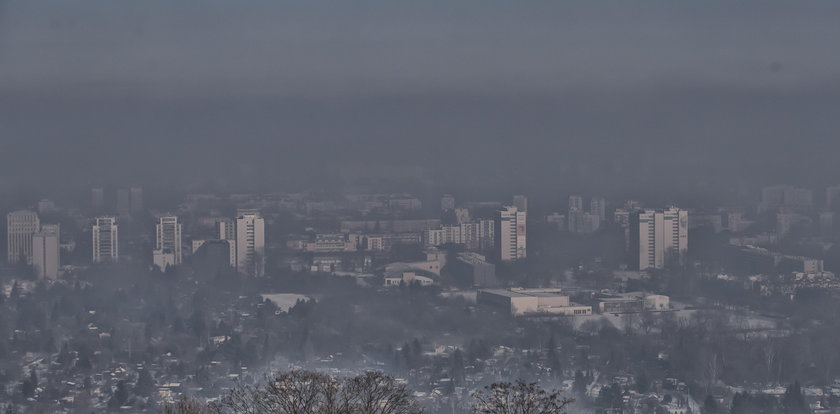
<point>518,398</point>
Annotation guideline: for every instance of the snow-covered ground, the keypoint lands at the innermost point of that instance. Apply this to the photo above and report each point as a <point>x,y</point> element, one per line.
<point>284,301</point>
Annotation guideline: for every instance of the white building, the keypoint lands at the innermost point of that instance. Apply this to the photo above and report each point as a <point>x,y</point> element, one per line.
<point>21,225</point>
<point>105,239</point>
<point>474,235</point>
<point>408,278</point>
<point>163,259</point>
<point>45,252</point>
<point>575,203</point>
<point>511,234</point>
<point>520,302</point>
<point>658,237</point>
<point>657,302</point>
<point>168,238</point>
<point>250,243</point>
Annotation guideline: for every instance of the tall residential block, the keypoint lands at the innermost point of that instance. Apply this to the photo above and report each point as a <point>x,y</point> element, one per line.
<point>510,234</point>
<point>658,238</point>
<point>168,239</point>
<point>45,252</point>
<point>21,225</point>
<point>105,239</point>
<point>250,243</point>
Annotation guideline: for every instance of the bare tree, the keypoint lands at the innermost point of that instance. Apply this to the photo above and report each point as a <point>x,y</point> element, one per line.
<point>770,351</point>
<point>518,398</point>
<point>648,321</point>
<point>298,392</point>
<point>306,392</point>
<point>630,320</point>
<point>377,393</point>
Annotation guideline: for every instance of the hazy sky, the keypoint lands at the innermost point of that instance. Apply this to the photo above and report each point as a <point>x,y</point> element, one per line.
<point>305,47</point>
<point>670,94</point>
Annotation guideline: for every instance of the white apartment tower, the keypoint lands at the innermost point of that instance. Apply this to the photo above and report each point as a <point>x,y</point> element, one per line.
<point>658,237</point>
<point>250,243</point>
<point>21,225</point>
<point>45,252</point>
<point>105,240</point>
<point>168,237</point>
<point>511,234</point>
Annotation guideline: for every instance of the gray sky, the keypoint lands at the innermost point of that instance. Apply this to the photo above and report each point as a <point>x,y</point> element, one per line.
<point>325,48</point>
<point>589,94</point>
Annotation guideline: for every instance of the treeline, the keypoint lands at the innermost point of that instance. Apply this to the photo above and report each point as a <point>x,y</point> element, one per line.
<point>307,392</point>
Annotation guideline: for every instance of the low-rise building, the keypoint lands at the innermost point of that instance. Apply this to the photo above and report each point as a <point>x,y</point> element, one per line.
<point>520,301</point>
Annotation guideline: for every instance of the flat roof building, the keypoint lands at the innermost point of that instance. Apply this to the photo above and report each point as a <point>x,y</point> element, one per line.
<point>520,301</point>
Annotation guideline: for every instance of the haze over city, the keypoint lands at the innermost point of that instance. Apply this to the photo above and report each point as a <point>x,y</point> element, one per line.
<point>627,205</point>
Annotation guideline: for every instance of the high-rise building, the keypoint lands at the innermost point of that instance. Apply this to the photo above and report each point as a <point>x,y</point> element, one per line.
<point>520,202</point>
<point>123,202</point>
<point>21,225</point>
<point>510,234</point>
<point>168,239</point>
<point>97,198</point>
<point>105,240</point>
<point>226,229</point>
<point>598,207</point>
<point>575,203</point>
<point>447,202</point>
<point>658,237</point>
<point>136,200</point>
<point>250,243</point>
<point>45,251</point>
